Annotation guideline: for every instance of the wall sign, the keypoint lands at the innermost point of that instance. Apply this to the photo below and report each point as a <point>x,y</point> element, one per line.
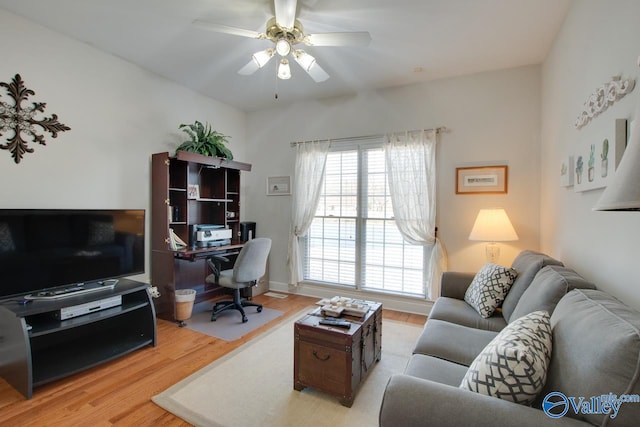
<point>22,120</point>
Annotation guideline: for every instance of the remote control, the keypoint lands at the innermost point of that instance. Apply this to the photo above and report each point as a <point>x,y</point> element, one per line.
<point>339,323</point>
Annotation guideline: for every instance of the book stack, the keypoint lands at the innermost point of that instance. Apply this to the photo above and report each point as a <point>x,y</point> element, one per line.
<point>337,306</point>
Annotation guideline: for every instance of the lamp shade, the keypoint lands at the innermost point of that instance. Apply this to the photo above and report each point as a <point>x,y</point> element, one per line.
<point>493,225</point>
<point>305,60</point>
<point>261,58</point>
<point>623,193</point>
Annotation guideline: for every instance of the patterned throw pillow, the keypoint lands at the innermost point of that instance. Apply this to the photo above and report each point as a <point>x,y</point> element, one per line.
<point>513,366</point>
<point>6,240</point>
<point>489,287</point>
<point>101,233</point>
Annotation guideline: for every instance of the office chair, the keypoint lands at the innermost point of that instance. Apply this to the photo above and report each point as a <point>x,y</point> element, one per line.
<point>249,267</point>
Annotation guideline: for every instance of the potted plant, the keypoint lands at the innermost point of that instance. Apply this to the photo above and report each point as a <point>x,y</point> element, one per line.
<point>204,140</point>
<point>605,157</point>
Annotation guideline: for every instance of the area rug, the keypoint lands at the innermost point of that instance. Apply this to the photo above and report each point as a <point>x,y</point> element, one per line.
<point>228,326</point>
<point>253,385</point>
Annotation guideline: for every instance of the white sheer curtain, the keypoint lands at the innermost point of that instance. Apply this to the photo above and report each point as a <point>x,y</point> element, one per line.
<point>411,163</point>
<point>311,159</point>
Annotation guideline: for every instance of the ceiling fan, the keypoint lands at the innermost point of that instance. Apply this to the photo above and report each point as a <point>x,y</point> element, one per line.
<point>286,32</point>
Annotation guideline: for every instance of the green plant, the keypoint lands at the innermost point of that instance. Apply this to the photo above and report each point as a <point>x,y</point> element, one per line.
<point>592,154</point>
<point>204,140</point>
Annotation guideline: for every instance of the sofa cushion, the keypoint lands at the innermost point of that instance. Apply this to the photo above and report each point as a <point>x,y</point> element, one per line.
<point>514,364</point>
<point>489,287</point>
<point>459,312</point>
<point>434,369</point>
<point>448,341</point>
<point>596,352</point>
<point>527,264</point>
<point>548,286</point>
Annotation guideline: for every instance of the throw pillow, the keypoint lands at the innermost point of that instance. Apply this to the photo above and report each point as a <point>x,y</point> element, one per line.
<point>6,240</point>
<point>489,287</point>
<point>101,233</point>
<point>513,366</point>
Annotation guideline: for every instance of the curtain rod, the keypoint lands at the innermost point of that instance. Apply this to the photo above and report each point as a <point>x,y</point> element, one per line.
<point>438,130</point>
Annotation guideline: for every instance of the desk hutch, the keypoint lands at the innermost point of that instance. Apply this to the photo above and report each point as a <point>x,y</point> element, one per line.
<point>172,206</point>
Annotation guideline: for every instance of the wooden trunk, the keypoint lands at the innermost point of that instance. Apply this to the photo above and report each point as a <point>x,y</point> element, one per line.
<point>336,360</point>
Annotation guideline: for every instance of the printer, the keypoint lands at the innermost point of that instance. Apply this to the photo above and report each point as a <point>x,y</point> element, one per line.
<point>209,235</point>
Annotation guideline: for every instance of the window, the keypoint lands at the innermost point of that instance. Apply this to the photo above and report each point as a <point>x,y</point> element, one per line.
<point>353,239</point>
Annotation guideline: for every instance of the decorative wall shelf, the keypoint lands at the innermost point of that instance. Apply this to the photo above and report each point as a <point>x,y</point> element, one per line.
<point>603,97</point>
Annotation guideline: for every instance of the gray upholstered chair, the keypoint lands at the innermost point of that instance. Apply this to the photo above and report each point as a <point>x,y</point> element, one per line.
<point>249,267</point>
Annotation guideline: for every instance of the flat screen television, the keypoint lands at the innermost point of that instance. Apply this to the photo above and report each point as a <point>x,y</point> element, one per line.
<point>56,248</point>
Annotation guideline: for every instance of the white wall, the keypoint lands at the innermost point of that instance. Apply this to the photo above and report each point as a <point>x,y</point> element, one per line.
<point>494,118</point>
<point>598,40</point>
<point>118,113</point>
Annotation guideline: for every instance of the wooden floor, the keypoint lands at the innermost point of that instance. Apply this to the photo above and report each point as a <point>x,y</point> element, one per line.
<point>119,392</point>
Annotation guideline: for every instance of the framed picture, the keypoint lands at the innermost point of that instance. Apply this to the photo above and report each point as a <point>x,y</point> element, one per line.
<point>278,185</point>
<point>598,154</point>
<point>566,172</point>
<point>193,191</point>
<point>481,180</point>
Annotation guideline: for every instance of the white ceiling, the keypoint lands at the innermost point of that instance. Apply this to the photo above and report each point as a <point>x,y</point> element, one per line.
<point>444,38</point>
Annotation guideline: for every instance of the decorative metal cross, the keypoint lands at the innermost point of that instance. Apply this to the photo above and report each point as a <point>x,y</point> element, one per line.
<point>22,120</point>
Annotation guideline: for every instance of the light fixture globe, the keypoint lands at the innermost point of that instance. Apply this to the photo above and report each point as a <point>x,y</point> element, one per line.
<point>284,71</point>
<point>283,47</point>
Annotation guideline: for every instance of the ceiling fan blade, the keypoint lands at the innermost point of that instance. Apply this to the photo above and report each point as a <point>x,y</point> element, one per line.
<point>356,38</point>
<point>285,12</point>
<point>317,73</point>
<point>250,68</point>
<point>219,28</point>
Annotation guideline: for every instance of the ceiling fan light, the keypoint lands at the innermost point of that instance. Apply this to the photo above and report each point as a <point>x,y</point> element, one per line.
<point>284,71</point>
<point>305,60</point>
<point>261,58</point>
<point>283,47</point>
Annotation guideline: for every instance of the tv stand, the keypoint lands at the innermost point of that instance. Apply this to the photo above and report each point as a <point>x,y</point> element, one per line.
<point>37,348</point>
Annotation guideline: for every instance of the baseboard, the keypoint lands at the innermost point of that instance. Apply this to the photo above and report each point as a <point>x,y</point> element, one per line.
<point>391,302</point>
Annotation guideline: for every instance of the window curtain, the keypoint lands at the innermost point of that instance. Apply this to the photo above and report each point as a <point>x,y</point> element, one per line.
<point>411,163</point>
<point>311,159</point>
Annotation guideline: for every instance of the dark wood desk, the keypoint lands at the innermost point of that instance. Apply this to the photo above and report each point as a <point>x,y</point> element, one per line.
<point>188,269</point>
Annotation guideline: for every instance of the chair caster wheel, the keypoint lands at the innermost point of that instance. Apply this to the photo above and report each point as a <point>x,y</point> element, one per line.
<point>213,318</point>
<point>259,309</point>
<point>244,319</point>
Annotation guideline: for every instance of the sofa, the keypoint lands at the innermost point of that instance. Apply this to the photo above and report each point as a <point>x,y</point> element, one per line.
<point>594,355</point>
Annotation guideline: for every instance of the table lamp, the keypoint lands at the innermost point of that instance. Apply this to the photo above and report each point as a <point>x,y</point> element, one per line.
<point>492,225</point>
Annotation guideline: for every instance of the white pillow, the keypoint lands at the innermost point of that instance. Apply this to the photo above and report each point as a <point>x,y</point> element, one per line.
<point>513,366</point>
<point>489,288</point>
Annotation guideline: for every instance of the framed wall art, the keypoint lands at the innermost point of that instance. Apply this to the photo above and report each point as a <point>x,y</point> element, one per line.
<point>193,191</point>
<point>481,180</point>
<point>566,172</point>
<point>598,154</point>
<point>278,185</point>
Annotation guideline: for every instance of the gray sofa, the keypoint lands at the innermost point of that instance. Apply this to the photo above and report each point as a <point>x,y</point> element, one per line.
<point>596,351</point>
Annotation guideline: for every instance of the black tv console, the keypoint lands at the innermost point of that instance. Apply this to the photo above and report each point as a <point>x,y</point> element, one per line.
<point>36,348</point>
